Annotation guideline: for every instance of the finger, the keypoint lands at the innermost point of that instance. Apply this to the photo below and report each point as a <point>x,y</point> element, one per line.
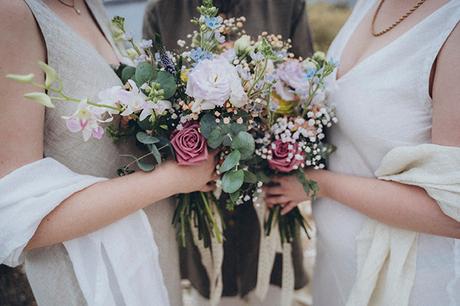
<point>276,179</point>
<point>291,205</point>
<point>208,188</point>
<point>214,154</point>
<point>280,199</point>
<point>274,190</point>
<point>215,176</point>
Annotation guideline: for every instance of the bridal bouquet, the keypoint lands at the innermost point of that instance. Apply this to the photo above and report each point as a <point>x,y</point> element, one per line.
<point>250,99</point>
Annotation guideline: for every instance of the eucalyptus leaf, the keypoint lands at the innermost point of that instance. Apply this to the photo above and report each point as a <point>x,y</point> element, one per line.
<point>250,177</point>
<point>144,73</point>
<point>262,177</point>
<point>127,73</point>
<point>232,181</point>
<point>167,82</point>
<point>146,139</point>
<point>146,124</point>
<point>237,128</point>
<point>227,140</point>
<point>244,142</point>
<point>207,124</point>
<point>144,166</point>
<point>230,161</point>
<point>156,153</point>
<point>235,195</point>
<point>215,139</point>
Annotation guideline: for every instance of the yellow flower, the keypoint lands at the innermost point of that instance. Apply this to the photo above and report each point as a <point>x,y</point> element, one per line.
<point>284,107</point>
<point>184,75</point>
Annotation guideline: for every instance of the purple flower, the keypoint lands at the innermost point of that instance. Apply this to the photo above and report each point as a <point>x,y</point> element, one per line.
<point>286,156</point>
<point>291,77</point>
<point>189,144</point>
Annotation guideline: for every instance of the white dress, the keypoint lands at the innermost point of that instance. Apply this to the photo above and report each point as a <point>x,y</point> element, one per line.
<point>382,103</point>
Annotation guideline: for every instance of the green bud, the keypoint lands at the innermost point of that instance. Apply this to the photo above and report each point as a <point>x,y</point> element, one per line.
<point>40,98</point>
<point>132,54</point>
<point>50,73</point>
<point>118,22</point>
<point>21,78</point>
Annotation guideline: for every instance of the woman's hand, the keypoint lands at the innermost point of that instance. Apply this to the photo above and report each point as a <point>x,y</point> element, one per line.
<point>288,192</point>
<point>199,177</point>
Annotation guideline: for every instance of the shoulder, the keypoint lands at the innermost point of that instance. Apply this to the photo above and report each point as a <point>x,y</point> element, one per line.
<point>446,106</point>
<point>451,49</point>
<point>18,22</point>
<point>13,13</point>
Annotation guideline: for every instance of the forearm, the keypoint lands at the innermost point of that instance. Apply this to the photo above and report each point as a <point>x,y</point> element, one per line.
<point>395,204</point>
<point>102,204</point>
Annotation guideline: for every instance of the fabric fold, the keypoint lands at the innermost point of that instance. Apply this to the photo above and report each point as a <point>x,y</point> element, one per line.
<point>115,265</point>
<point>387,255</point>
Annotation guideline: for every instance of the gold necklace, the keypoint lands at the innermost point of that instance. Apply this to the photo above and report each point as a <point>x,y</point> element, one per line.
<point>72,5</point>
<point>407,14</point>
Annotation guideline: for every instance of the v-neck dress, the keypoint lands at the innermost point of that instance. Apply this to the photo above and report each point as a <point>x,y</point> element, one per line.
<point>383,103</point>
<point>85,73</point>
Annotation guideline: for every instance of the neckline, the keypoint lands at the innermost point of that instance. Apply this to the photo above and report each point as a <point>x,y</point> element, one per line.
<point>346,42</point>
<point>101,28</point>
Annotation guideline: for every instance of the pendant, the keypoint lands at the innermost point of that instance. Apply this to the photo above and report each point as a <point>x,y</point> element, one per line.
<point>77,11</point>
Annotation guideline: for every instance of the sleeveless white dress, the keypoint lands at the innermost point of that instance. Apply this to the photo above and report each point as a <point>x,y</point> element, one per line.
<point>383,103</point>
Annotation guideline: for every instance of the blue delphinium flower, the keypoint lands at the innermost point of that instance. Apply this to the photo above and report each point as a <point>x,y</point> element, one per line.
<point>310,73</point>
<point>213,22</point>
<point>198,54</point>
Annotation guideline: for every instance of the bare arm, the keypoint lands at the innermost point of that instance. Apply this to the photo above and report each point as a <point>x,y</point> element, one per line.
<point>392,203</point>
<point>21,123</point>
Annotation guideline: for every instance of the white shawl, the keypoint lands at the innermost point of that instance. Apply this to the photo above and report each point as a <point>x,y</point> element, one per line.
<point>127,246</point>
<point>387,255</point>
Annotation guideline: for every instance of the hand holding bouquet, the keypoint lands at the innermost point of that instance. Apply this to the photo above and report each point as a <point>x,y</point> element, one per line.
<point>263,110</point>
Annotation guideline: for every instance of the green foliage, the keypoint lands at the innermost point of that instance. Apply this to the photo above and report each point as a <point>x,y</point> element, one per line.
<point>230,161</point>
<point>309,186</point>
<point>127,73</point>
<point>250,177</point>
<point>156,153</point>
<point>142,137</point>
<point>244,142</point>
<point>232,181</point>
<point>207,124</point>
<point>167,82</point>
<point>144,73</point>
<point>215,139</point>
<point>145,166</point>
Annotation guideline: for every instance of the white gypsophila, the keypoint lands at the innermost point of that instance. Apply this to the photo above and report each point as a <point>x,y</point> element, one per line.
<point>212,83</point>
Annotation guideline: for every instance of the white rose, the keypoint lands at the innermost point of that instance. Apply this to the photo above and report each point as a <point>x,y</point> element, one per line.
<point>213,82</point>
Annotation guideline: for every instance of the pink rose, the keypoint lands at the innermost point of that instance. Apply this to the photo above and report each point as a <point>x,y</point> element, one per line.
<point>285,156</point>
<point>189,144</point>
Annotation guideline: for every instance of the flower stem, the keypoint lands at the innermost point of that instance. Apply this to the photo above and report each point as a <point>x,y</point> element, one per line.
<point>211,217</point>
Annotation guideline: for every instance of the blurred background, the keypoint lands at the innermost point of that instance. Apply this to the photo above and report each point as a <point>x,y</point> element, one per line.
<point>326,17</point>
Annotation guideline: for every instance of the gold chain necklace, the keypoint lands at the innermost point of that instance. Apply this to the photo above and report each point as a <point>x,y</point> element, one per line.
<point>376,34</point>
<point>72,5</point>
